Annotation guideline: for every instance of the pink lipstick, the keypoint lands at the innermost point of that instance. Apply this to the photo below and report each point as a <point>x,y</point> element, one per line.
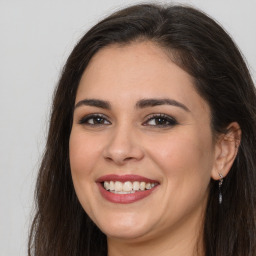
<point>125,189</point>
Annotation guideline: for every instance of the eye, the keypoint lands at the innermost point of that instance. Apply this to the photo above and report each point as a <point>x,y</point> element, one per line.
<point>160,120</point>
<point>94,120</point>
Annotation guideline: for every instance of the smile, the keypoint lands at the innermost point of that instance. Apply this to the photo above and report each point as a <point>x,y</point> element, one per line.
<point>125,189</point>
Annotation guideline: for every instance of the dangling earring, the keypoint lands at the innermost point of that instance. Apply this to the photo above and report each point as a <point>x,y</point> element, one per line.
<point>220,184</point>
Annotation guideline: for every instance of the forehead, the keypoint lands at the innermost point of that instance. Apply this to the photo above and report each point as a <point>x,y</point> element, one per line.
<point>131,60</point>
<point>136,70</point>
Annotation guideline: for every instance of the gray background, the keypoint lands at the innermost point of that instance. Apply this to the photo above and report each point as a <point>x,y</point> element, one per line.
<point>35,40</point>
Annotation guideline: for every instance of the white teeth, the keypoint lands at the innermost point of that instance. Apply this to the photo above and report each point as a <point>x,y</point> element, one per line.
<point>142,185</point>
<point>136,185</point>
<point>127,187</point>
<point>148,186</point>
<point>118,186</point>
<point>112,185</point>
<point>106,185</point>
<point>123,192</point>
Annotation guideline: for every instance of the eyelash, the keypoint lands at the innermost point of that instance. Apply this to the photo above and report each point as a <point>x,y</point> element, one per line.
<point>85,120</point>
<point>165,120</point>
<point>169,121</point>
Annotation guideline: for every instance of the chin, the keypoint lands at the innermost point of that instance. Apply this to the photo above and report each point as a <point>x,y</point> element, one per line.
<point>122,234</point>
<point>124,228</point>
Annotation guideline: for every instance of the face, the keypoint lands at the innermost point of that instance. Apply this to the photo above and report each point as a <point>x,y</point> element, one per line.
<point>142,131</point>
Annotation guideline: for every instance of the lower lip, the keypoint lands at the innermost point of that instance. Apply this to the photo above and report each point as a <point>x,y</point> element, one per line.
<point>124,198</point>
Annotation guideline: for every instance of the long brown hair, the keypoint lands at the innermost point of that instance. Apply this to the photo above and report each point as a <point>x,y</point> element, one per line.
<point>203,49</point>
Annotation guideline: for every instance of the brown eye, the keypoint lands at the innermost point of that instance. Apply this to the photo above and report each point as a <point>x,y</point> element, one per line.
<point>160,121</point>
<point>94,120</point>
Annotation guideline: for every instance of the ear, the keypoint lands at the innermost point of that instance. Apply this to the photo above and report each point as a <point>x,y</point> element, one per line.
<point>226,149</point>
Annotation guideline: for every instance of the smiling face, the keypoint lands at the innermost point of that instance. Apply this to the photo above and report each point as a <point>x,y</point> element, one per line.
<point>138,118</point>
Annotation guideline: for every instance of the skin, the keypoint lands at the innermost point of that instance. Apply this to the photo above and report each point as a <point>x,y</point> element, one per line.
<point>181,156</point>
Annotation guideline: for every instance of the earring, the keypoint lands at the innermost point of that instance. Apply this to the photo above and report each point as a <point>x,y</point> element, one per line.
<point>220,184</point>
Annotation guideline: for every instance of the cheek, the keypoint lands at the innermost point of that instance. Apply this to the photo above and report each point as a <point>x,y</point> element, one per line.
<point>83,158</point>
<point>82,154</point>
<point>182,150</point>
<point>186,160</point>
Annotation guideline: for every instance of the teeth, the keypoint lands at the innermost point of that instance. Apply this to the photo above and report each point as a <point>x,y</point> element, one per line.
<point>136,185</point>
<point>111,185</point>
<point>148,186</point>
<point>106,185</point>
<point>142,185</point>
<point>118,186</point>
<point>127,187</point>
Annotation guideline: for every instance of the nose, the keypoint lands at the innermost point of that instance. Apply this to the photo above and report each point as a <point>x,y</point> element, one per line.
<point>123,146</point>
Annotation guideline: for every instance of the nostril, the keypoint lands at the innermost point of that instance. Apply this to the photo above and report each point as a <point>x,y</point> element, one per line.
<point>109,159</point>
<point>128,158</point>
<point>120,160</point>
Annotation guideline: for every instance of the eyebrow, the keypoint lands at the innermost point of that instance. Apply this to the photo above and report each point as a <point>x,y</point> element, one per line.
<point>94,103</point>
<point>143,103</point>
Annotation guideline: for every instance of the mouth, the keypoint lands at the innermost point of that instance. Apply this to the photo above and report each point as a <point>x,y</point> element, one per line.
<point>125,188</point>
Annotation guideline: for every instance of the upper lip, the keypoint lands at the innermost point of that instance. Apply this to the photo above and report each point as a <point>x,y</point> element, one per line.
<point>124,178</point>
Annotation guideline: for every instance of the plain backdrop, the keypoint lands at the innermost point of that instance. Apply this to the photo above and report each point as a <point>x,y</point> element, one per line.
<point>35,39</point>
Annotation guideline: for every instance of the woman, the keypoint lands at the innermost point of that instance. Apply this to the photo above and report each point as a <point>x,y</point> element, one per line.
<point>151,146</point>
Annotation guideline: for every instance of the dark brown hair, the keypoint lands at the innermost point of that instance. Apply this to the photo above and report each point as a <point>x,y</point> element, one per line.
<point>203,49</point>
